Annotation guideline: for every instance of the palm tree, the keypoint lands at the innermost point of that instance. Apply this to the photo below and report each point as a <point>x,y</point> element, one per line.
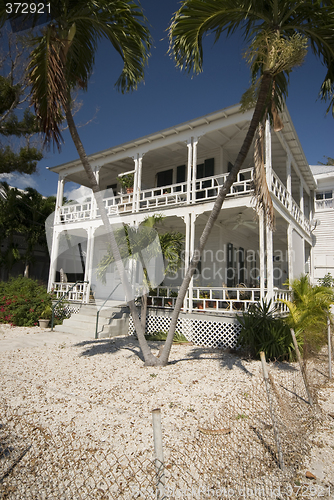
<point>279,33</point>
<point>62,59</point>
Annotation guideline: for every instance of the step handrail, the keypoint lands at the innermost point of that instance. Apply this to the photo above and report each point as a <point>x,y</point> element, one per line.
<point>61,298</point>
<point>98,312</point>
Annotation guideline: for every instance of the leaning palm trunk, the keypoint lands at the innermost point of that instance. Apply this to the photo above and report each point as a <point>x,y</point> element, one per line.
<point>150,359</point>
<point>259,111</point>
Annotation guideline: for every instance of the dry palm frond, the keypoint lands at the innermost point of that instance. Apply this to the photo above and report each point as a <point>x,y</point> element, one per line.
<point>261,190</point>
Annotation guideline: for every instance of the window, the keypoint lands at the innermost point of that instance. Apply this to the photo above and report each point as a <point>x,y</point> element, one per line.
<point>181,177</point>
<point>203,170</point>
<point>324,195</point>
<point>165,178</point>
<point>113,187</point>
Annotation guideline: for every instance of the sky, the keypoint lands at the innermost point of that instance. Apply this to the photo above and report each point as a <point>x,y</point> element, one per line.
<point>169,97</point>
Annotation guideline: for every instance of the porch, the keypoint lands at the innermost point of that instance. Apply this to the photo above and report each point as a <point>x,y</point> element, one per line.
<point>209,299</point>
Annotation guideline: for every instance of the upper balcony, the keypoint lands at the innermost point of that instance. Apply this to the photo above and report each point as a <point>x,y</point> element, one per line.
<point>203,191</point>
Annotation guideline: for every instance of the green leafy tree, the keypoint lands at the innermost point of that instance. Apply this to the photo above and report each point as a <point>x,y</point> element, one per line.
<point>11,224</point>
<point>278,33</point>
<point>308,311</point>
<point>22,213</point>
<point>19,144</point>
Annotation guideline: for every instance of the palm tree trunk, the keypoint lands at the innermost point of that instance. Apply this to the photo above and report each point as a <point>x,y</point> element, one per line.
<point>259,111</point>
<point>149,358</point>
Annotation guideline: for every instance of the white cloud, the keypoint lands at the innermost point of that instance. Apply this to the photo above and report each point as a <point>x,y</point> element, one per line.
<point>78,194</point>
<point>20,181</point>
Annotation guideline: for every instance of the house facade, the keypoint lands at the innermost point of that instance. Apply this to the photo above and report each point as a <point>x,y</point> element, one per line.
<point>323,236</point>
<point>177,173</point>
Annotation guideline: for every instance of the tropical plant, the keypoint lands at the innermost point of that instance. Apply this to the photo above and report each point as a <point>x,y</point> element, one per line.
<point>308,312</point>
<point>278,33</point>
<point>261,330</point>
<point>126,181</point>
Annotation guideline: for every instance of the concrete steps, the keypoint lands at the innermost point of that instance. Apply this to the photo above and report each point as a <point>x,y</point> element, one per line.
<point>113,321</point>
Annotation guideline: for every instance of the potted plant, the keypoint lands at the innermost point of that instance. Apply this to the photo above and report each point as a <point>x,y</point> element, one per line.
<point>46,315</point>
<point>126,182</point>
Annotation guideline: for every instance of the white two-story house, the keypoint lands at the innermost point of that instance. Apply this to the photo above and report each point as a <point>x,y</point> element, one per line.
<point>177,173</point>
<point>323,234</point>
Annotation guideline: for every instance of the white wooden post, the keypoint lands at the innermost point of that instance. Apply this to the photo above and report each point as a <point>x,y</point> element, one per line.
<point>135,186</point>
<point>269,233</point>
<point>159,454</point>
<point>290,253</point>
<point>89,261</point>
<point>192,249</point>
<point>140,170</point>
<point>193,196</point>
<point>190,152</point>
<point>186,257</point>
<point>53,259</point>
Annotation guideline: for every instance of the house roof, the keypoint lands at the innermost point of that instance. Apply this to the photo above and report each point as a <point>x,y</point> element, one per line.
<point>203,123</point>
<point>322,169</point>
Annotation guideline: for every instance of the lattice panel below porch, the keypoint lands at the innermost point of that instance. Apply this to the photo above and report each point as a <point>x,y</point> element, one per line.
<point>199,331</point>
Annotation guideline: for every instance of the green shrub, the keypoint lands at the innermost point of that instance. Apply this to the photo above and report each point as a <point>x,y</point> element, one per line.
<point>262,331</point>
<point>22,301</point>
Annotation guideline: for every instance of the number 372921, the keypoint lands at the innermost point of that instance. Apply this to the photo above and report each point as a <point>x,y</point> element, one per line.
<point>28,8</point>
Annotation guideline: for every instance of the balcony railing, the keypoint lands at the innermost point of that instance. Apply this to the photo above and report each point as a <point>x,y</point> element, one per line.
<point>202,190</point>
<point>324,204</point>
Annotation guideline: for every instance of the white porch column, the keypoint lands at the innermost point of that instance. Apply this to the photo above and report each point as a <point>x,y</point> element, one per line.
<point>288,178</point>
<point>139,177</point>
<point>89,261</point>
<point>270,265</point>
<point>187,222</point>
<point>192,249</point>
<point>193,195</point>
<point>93,200</point>
<point>261,254</point>
<point>290,253</point>
<point>135,186</point>
<point>190,152</point>
<point>301,195</point>
<point>53,259</point>
<point>269,233</point>
<point>59,197</point>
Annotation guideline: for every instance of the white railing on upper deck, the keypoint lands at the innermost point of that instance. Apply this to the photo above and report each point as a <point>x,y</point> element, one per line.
<point>75,212</point>
<point>285,198</point>
<point>324,204</point>
<point>176,194</point>
<point>163,196</point>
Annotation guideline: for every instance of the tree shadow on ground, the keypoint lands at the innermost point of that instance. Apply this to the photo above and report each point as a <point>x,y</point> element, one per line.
<point>185,353</point>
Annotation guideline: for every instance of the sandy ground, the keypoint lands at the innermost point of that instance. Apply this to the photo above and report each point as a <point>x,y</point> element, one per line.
<point>103,389</point>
